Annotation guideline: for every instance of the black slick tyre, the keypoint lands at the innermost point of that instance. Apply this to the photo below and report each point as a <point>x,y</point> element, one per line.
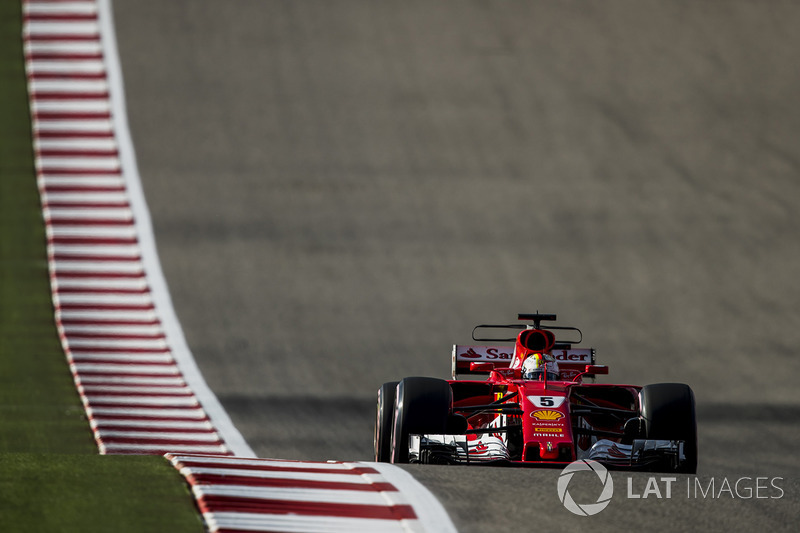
<point>668,410</point>
<point>422,406</point>
<point>384,422</point>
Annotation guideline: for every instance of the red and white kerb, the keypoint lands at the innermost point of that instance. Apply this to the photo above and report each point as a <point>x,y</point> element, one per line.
<point>113,333</point>
<point>237,494</point>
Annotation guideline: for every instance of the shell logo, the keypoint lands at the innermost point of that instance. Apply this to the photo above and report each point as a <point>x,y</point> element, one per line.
<point>547,414</point>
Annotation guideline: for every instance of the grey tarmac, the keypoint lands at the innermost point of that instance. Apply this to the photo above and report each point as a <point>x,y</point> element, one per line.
<point>341,190</point>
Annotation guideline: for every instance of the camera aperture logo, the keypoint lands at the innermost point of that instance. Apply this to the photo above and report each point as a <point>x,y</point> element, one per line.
<point>585,509</point>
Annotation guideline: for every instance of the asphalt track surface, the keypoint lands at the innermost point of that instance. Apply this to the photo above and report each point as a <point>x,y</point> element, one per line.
<point>341,190</point>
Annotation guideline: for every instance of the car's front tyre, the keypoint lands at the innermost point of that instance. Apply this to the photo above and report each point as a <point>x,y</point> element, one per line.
<point>422,406</point>
<point>668,410</point>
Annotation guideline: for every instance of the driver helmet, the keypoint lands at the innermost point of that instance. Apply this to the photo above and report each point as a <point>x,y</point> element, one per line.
<point>537,364</point>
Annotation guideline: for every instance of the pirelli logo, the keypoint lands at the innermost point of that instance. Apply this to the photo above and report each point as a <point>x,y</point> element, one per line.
<point>548,431</point>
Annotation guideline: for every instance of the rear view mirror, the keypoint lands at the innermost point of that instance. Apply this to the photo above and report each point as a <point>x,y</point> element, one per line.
<point>481,367</point>
<point>596,369</point>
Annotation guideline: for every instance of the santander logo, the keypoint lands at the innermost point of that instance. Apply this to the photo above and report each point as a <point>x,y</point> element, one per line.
<point>470,354</point>
<point>486,353</point>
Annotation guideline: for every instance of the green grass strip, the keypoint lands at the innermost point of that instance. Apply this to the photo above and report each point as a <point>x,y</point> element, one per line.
<point>51,476</point>
<point>40,410</point>
<point>85,493</point>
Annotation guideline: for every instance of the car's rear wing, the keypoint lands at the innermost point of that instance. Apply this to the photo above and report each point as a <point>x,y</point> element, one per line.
<point>571,361</point>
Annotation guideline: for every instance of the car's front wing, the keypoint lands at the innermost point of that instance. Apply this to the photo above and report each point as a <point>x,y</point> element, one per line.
<point>641,454</point>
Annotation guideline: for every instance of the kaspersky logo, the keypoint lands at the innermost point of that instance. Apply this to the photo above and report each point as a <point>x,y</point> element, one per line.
<point>591,508</point>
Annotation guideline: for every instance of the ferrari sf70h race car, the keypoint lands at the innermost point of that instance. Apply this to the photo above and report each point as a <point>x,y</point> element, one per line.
<point>539,406</point>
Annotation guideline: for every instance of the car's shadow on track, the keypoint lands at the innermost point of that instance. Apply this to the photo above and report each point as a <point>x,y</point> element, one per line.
<point>311,429</point>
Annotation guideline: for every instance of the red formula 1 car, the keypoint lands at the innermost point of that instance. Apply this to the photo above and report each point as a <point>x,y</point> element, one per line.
<point>538,407</point>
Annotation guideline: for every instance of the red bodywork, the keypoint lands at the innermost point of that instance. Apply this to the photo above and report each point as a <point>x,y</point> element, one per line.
<point>540,422</point>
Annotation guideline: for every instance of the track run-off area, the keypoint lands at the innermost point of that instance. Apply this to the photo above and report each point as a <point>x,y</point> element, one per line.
<point>340,191</point>
<point>138,382</point>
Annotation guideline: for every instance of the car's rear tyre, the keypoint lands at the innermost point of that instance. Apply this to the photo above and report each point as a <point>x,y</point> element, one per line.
<point>384,422</point>
<point>668,410</point>
<point>422,406</point>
